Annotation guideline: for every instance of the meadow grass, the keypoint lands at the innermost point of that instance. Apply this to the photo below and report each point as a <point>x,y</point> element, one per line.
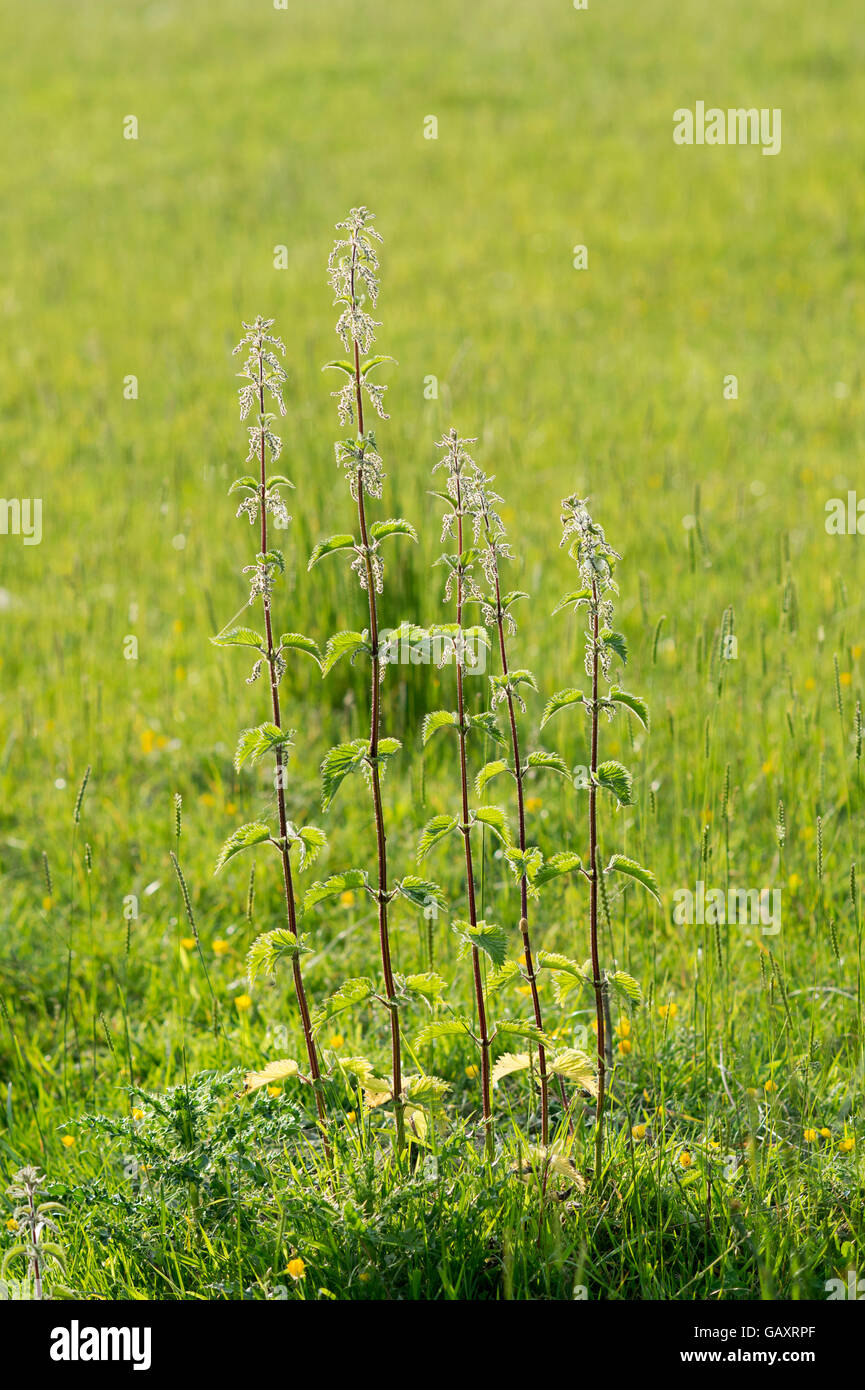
<point>258,129</point>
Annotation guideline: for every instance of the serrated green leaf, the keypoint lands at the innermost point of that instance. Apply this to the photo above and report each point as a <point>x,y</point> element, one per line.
<point>619,864</point>
<point>426,1089</point>
<point>310,841</point>
<point>577,1067</point>
<point>296,642</point>
<point>525,864</point>
<point>254,743</point>
<point>329,547</point>
<point>454,1027</point>
<point>427,986</point>
<point>616,779</point>
<point>338,762</point>
<point>561,700</point>
<point>270,1075</point>
<point>487,773</point>
<point>562,863</point>
<point>247,481</point>
<point>422,893</point>
<point>346,997</point>
<point>396,526</point>
<point>505,975</point>
<point>573,600</point>
<point>239,637</point>
<point>339,364</point>
<point>438,719</point>
<point>635,703</point>
<point>253,833</point>
<point>494,818</point>
<point>270,948</point>
<point>279,480</point>
<point>375,362</point>
<point>553,762</point>
<point>486,937</point>
<point>343,644</point>
<point>616,642</point>
<point>434,832</point>
<point>485,721</point>
<point>518,1028</point>
<point>626,985</point>
<point>348,880</point>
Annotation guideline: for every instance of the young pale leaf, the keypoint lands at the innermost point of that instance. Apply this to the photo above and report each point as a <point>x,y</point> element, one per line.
<point>619,864</point>
<point>254,743</point>
<point>508,1063</point>
<point>343,644</point>
<point>438,719</point>
<point>618,780</point>
<point>296,642</point>
<point>340,365</point>
<point>247,481</point>
<point>427,986</point>
<point>422,893</point>
<point>311,842</point>
<point>426,1089</point>
<point>635,703</point>
<point>616,642</point>
<point>279,480</point>
<point>576,1067</point>
<point>494,818</point>
<point>331,888</point>
<point>269,1075</point>
<point>329,547</point>
<point>554,762</point>
<point>337,764</point>
<point>573,599</point>
<point>239,637</point>
<point>351,993</point>
<point>517,1028</point>
<point>562,863</point>
<point>456,1027</point>
<point>375,362</point>
<point>270,948</point>
<point>497,979</point>
<point>487,937</point>
<point>487,773</point>
<point>561,700</point>
<point>380,530</point>
<point>551,960</point>
<point>525,864</point>
<point>434,832</point>
<point>626,985</point>
<point>485,720</point>
<point>244,837</point>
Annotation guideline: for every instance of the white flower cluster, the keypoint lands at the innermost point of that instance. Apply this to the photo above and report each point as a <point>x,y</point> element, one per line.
<point>361,463</point>
<point>589,547</point>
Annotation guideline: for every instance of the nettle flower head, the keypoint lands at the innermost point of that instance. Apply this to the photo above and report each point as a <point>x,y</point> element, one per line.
<point>362,463</point>
<point>588,545</point>
<point>262,370</point>
<point>460,468</point>
<point>352,270</point>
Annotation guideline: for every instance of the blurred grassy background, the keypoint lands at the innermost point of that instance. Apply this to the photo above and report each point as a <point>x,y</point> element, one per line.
<point>259,128</point>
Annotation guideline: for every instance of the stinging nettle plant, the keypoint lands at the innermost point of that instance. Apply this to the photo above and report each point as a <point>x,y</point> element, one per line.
<point>263,377</point>
<point>596,559</point>
<point>353,269</point>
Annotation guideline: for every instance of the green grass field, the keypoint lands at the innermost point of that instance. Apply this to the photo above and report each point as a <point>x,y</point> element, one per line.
<point>258,129</point>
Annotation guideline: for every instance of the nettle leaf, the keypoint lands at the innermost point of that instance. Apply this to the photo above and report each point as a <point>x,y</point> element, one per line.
<point>438,719</point>
<point>339,364</point>
<point>512,682</point>
<point>454,1027</point>
<point>278,480</point>
<point>270,948</point>
<point>493,817</point>
<point>269,1075</point>
<point>343,644</point>
<point>359,1067</point>
<point>310,842</point>
<point>517,1028</point>
<point>618,780</point>
<point>337,764</point>
<point>505,975</point>
<point>619,864</point>
<point>273,557</point>
<point>552,960</point>
<point>396,526</point>
<point>254,743</point>
<point>346,997</point>
<point>426,1089</point>
<point>487,773</point>
<point>427,986</point>
<point>562,863</point>
<point>296,642</point>
<point>337,883</point>
<point>573,600</point>
<point>561,700</point>
<point>422,893</point>
<point>254,833</point>
<point>371,362</point>
<point>247,481</point>
<point>525,864</point>
<point>617,642</point>
<point>512,598</point>
<point>626,985</point>
<point>635,703</point>
<point>554,762</point>
<point>435,830</point>
<point>239,637</point>
<point>577,1067</point>
<point>485,720</point>
<point>329,547</point>
<point>508,1063</point>
<point>490,939</point>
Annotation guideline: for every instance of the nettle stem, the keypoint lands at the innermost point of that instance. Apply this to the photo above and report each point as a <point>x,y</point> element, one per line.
<point>466,833</point>
<point>288,883</point>
<point>597,980</point>
<point>524,883</point>
<point>374,729</point>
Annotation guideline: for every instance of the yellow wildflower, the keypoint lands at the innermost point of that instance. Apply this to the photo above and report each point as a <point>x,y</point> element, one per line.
<point>296,1268</point>
<point>243,1002</point>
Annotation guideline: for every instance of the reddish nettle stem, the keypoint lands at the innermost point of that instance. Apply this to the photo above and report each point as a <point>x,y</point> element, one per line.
<point>466,833</point>
<point>375,722</point>
<point>593,892</point>
<point>524,887</point>
<point>288,884</point>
